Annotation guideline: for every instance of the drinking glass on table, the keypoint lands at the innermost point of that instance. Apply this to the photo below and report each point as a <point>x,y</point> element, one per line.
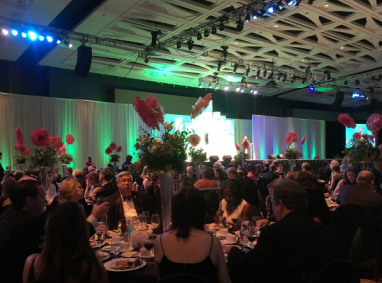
<point>254,221</point>
<point>116,245</point>
<point>149,245</point>
<point>147,215</point>
<point>155,220</point>
<point>143,220</point>
<point>100,235</point>
<point>245,231</point>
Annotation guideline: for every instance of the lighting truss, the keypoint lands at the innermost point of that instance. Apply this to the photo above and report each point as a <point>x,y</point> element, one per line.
<point>72,35</point>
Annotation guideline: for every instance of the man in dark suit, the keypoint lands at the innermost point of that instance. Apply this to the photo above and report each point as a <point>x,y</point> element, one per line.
<point>1,168</point>
<point>292,249</point>
<point>362,193</point>
<point>271,174</point>
<point>324,172</point>
<point>266,166</point>
<point>125,203</point>
<point>105,178</point>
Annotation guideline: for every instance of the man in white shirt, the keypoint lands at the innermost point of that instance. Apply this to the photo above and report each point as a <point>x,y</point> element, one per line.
<point>125,203</point>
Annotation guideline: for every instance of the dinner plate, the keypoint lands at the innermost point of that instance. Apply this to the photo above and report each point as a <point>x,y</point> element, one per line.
<point>108,265</point>
<point>129,254</point>
<point>102,255</point>
<point>216,226</point>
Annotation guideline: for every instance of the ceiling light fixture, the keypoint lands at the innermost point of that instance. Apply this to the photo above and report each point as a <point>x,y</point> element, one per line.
<point>240,25</point>
<point>178,44</point>
<point>247,18</point>
<point>154,37</point>
<point>146,59</point>
<point>265,74</point>
<point>225,52</point>
<point>226,87</point>
<point>206,33</point>
<point>293,79</point>
<point>258,73</point>
<point>221,26</point>
<point>190,44</point>
<point>199,36</point>
<point>213,30</point>
<point>219,66</point>
<point>247,71</point>
<point>235,68</point>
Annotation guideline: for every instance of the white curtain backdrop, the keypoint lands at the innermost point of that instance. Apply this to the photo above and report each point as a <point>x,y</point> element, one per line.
<point>269,134</point>
<point>94,126</point>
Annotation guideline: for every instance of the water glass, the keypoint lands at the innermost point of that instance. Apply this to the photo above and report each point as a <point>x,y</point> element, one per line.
<point>155,220</point>
<point>147,215</point>
<point>254,220</point>
<point>116,245</point>
<point>119,227</point>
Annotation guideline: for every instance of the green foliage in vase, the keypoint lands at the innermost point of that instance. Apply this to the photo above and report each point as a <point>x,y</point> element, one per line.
<point>20,159</point>
<point>197,155</point>
<point>66,158</point>
<point>42,157</point>
<point>166,153</point>
<point>241,156</point>
<point>292,153</point>
<point>114,158</point>
<point>361,149</point>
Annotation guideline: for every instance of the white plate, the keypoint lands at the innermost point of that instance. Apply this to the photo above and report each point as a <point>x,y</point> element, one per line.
<point>105,254</point>
<point>129,254</point>
<point>108,265</point>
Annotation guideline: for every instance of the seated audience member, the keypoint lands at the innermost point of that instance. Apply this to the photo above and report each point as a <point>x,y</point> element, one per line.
<point>304,177</point>
<point>186,182</point>
<point>271,174</point>
<point>69,173</point>
<point>93,186</point>
<point>377,171</point>
<point>248,186</point>
<point>280,171</point>
<point>91,169</point>
<point>21,229</point>
<point>233,207</point>
<point>125,203</point>
<point>252,172</point>
<point>305,167</point>
<point>266,166</point>
<point>127,162</point>
<point>275,162</point>
<point>324,172</point>
<point>105,178</point>
<point>80,178</point>
<point>142,180</point>
<point>336,177</point>
<point>5,200</point>
<point>268,201</point>
<point>291,176</point>
<point>89,162</point>
<point>66,255</point>
<point>349,178</point>
<point>318,208</point>
<point>208,179</point>
<point>187,248</point>
<point>190,173</point>
<point>284,250</point>
<point>362,193</point>
<point>218,165</point>
<point>18,175</point>
<point>220,176</point>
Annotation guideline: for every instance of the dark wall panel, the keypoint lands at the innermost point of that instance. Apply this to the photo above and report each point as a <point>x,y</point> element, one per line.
<point>335,138</point>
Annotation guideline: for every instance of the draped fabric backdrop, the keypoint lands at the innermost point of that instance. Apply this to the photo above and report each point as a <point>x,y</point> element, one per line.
<point>243,128</point>
<point>269,134</point>
<point>94,126</point>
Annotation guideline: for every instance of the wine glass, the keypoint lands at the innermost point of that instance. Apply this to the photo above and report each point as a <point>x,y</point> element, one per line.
<point>149,245</point>
<point>155,220</point>
<point>100,235</point>
<point>116,245</point>
<point>143,220</point>
<point>244,231</point>
<point>254,220</point>
<point>147,215</point>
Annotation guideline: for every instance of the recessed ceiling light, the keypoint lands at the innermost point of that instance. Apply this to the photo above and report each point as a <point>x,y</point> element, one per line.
<point>326,5</point>
<point>342,47</point>
<point>276,26</point>
<point>302,60</point>
<point>235,42</point>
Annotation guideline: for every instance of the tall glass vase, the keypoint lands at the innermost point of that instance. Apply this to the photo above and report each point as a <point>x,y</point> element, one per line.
<point>22,167</point>
<point>165,180</point>
<point>63,168</point>
<point>198,169</point>
<point>292,164</point>
<point>43,177</point>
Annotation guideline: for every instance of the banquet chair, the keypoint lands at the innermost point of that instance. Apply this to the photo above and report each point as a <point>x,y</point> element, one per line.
<point>346,220</point>
<point>334,272</point>
<point>183,278</point>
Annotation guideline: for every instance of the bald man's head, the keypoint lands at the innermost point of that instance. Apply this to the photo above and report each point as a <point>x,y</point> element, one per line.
<point>365,177</point>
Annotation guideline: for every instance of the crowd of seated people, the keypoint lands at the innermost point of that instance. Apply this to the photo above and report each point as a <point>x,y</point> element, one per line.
<point>32,244</point>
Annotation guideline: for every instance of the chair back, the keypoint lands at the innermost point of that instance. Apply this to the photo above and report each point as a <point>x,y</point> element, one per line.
<point>346,221</point>
<point>183,278</point>
<point>336,271</point>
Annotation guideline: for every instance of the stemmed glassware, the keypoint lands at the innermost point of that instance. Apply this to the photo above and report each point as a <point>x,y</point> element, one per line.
<point>100,235</point>
<point>155,220</point>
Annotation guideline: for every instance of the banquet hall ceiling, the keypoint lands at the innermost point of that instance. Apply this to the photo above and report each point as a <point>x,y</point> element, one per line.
<point>343,37</point>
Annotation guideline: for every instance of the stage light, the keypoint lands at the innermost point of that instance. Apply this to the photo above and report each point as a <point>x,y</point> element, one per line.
<point>70,45</point>
<point>213,30</point>
<point>225,52</point>
<point>190,44</point>
<point>247,71</point>
<point>279,77</point>
<point>14,32</point>
<point>235,68</point>
<point>293,79</point>
<point>270,76</point>
<point>357,82</point>
<point>290,3</point>
<point>357,94</point>
<point>219,66</point>
<point>4,31</point>
<point>154,37</point>
<point>242,90</point>
<point>178,44</point>
<point>285,77</point>
<point>200,85</point>
<point>23,34</point>
<point>255,16</point>
<point>258,73</point>
<point>255,92</point>
<point>226,87</point>
<point>41,38</point>
<point>58,41</point>
<point>297,3</point>
<point>32,35</point>
<point>210,85</point>
<point>271,9</point>
<point>206,33</point>
<point>199,36</point>
<point>263,12</point>
<point>240,25</point>
<point>345,82</point>
<point>247,18</point>
<point>216,86</point>
<point>221,26</point>
<point>265,74</point>
<point>237,89</point>
<point>280,5</point>
<point>49,38</point>
<point>146,59</point>
<point>311,87</point>
<point>303,81</point>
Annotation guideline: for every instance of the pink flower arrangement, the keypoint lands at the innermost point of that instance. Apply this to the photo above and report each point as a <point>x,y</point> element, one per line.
<point>40,137</point>
<point>194,140</point>
<point>346,120</point>
<point>374,124</point>
<point>19,136</point>
<point>63,149</point>
<point>69,139</point>
<point>119,149</point>
<point>113,146</point>
<point>356,136</point>
<point>108,150</point>
<point>55,141</point>
<point>237,147</point>
<point>291,138</point>
<point>303,140</point>
<point>245,144</point>
<point>150,111</point>
<point>201,105</point>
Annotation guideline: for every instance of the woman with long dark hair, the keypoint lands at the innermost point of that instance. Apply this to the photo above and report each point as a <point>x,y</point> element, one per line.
<point>66,255</point>
<point>187,248</point>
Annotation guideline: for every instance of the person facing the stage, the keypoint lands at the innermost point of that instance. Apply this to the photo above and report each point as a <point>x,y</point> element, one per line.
<point>90,162</point>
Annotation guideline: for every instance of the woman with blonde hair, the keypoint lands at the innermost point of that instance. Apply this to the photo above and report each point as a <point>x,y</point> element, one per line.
<point>142,180</point>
